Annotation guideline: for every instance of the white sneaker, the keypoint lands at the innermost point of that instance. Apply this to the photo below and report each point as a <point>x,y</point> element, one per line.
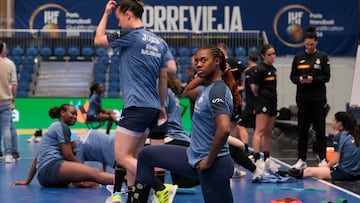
<point>9,158</point>
<point>238,173</point>
<point>271,166</point>
<point>259,171</point>
<point>300,164</point>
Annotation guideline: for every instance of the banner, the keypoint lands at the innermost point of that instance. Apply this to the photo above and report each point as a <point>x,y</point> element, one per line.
<point>283,21</point>
<point>33,113</point>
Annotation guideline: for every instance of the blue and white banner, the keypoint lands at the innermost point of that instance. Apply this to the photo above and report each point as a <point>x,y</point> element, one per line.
<point>284,21</point>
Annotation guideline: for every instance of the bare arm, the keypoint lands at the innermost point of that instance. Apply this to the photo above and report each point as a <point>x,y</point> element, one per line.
<point>162,89</point>
<point>100,36</point>
<point>254,89</point>
<point>67,152</point>
<point>171,67</point>
<point>31,175</point>
<point>191,90</point>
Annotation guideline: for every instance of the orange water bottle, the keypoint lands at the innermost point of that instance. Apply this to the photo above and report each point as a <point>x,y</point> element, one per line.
<point>329,153</point>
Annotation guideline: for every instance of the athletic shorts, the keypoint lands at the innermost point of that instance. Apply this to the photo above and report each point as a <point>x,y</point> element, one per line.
<point>48,176</point>
<point>265,109</point>
<point>138,119</point>
<point>158,132</point>
<point>340,175</point>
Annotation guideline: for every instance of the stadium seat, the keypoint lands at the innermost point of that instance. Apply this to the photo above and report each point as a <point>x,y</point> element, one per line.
<point>21,93</point>
<point>32,51</point>
<point>16,59</point>
<point>229,52</point>
<point>184,51</point>
<point>100,68</point>
<point>45,52</point>
<point>113,86</point>
<point>73,52</point>
<point>113,94</point>
<point>23,85</point>
<point>243,59</point>
<point>194,50</point>
<point>87,52</point>
<point>59,52</point>
<point>113,77</point>
<point>173,51</point>
<point>101,51</point>
<point>253,49</point>
<point>99,78</point>
<point>17,51</point>
<point>103,59</point>
<point>29,59</point>
<point>240,51</point>
<point>26,76</point>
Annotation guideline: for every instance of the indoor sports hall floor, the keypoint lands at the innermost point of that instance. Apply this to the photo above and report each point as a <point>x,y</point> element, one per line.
<point>308,190</point>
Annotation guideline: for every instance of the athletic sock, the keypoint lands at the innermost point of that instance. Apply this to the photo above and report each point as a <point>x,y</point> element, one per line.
<point>256,156</point>
<point>160,175</point>
<point>246,148</point>
<point>120,173</point>
<point>266,155</point>
<point>158,185</point>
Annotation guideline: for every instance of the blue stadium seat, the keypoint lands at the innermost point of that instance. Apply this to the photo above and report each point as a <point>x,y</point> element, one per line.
<point>114,59</point>
<point>114,77</point>
<point>45,52</point>
<point>240,51</point>
<point>87,52</point>
<point>29,59</point>
<point>243,59</point>
<point>173,51</point>
<point>59,52</point>
<point>101,51</point>
<point>99,78</point>
<point>113,94</point>
<point>32,51</point>
<point>26,76</point>
<point>253,49</point>
<point>229,52</point>
<point>100,68</point>
<point>23,85</point>
<point>73,52</point>
<point>21,94</point>
<point>184,51</point>
<point>194,50</point>
<point>113,86</point>
<point>17,51</point>
<point>16,59</point>
<point>103,59</point>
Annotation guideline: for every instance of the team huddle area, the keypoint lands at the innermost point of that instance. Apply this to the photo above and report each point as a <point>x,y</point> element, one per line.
<point>137,101</point>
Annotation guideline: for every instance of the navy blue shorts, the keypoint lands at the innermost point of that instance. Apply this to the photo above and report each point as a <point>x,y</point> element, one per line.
<point>138,119</point>
<point>159,131</point>
<point>48,176</point>
<point>339,174</point>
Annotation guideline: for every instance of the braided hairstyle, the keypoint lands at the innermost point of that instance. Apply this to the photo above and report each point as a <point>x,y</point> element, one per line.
<point>227,75</point>
<point>135,6</point>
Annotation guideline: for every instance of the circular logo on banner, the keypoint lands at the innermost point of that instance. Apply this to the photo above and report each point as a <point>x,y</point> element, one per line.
<point>48,16</point>
<point>289,23</point>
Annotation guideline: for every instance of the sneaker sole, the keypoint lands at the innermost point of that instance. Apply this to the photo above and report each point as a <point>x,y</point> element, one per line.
<point>172,193</point>
<point>109,200</point>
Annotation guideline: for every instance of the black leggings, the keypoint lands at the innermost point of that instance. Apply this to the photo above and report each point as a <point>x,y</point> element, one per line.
<point>240,158</point>
<point>215,181</point>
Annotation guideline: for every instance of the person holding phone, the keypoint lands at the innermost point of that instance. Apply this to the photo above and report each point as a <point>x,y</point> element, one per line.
<point>310,71</point>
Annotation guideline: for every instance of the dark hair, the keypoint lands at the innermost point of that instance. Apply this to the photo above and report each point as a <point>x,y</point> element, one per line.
<point>175,85</point>
<point>135,6</point>
<point>55,111</point>
<point>311,33</point>
<point>216,53</point>
<point>253,56</point>
<point>349,123</point>
<point>265,47</point>
<point>1,45</point>
<point>93,88</point>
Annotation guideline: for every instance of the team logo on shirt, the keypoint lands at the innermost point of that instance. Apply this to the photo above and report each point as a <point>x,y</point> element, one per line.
<point>264,109</point>
<point>217,100</point>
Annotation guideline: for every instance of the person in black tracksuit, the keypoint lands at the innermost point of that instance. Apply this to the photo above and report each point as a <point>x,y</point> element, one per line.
<point>310,71</point>
<point>263,86</point>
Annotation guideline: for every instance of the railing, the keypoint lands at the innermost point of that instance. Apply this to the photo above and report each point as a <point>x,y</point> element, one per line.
<point>67,38</point>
